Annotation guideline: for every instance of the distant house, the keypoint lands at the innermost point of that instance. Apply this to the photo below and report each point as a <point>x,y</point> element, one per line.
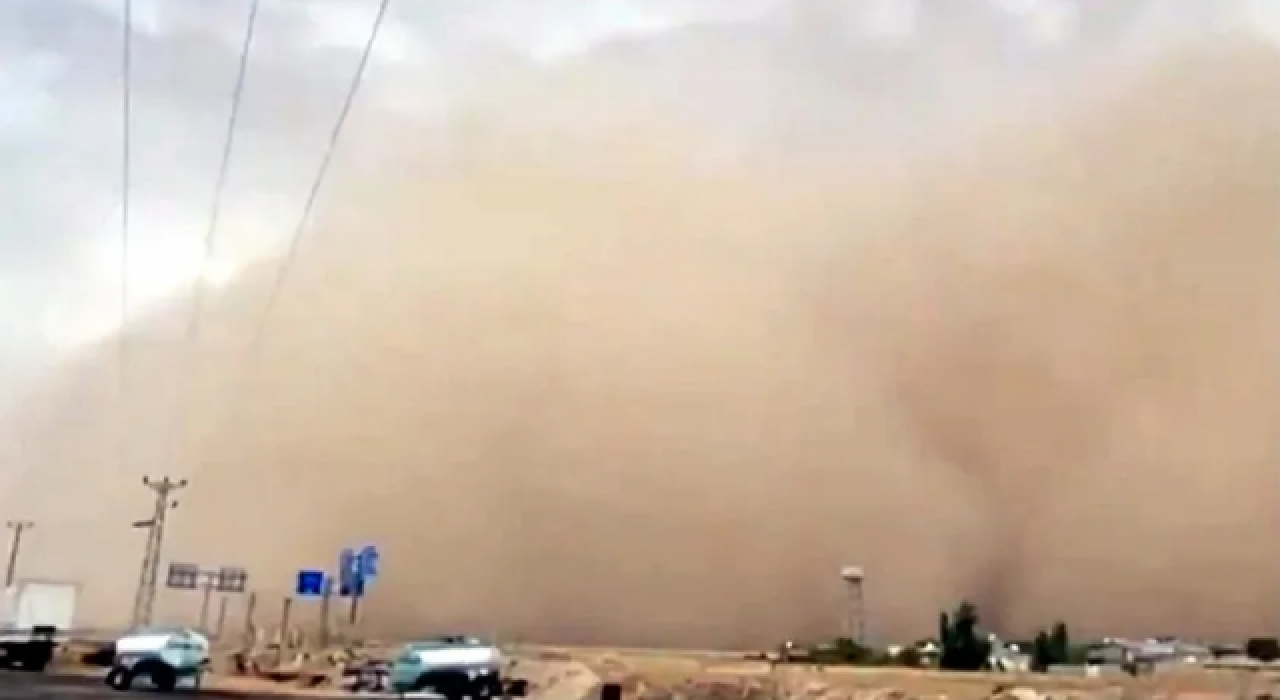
<point>1156,650</point>
<point>1007,656</point>
<point>1109,652</point>
<point>1003,657</point>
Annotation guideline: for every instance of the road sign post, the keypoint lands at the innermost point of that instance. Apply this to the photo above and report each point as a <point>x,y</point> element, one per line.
<point>250,629</point>
<point>368,566</point>
<point>349,582</point>
<point>312,583</point>
<point>326,605</point>
<point>222,618</point>
<point>356,568</point>
<point>286,609</point>
<point>205,597</point>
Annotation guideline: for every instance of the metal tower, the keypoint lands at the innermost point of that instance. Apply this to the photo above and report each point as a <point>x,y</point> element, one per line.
<point>145,599</point>
<point>853,578</point>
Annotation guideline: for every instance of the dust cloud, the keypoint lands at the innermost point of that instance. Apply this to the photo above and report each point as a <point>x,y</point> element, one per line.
<point>606,386</point>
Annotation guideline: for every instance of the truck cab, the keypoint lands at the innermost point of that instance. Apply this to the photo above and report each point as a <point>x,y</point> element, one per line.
<point>35,617</point>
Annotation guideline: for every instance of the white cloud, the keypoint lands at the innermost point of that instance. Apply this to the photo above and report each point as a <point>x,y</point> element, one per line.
<point>58,123</point>
<point>27,106</point>
<point>1045,21</point>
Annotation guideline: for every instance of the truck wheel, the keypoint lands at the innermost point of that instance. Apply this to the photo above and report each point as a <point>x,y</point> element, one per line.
<point>164,679</point>
<point>120,679</point>
<point>451,686</point>
<point>487,687</point>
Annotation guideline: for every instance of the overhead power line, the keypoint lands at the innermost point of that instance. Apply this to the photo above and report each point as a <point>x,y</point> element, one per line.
<point>228,147</point>
<point>291,252</point>
<point>331,147</point>
<point>126,175</point>
<point>182,413</point>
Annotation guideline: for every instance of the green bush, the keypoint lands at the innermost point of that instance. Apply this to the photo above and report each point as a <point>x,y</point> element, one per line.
<point>844,650</point>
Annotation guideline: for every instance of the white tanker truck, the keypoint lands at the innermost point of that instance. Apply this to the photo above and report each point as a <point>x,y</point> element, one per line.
<point>453,667</point>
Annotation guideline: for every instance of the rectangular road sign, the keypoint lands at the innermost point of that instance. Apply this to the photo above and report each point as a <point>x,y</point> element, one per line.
<point>230,579</point>
<point>348,567</point>
<point>310,583</point>
<point>369,562</point>
<point>183,575</point>
<point>356,568</point>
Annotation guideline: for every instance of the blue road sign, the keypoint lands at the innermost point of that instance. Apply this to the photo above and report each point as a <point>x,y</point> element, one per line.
<point>356,569</point>
<point>310,583</point>
<point>368,562</point>
<point>355,588</point>
<point>348,568</point>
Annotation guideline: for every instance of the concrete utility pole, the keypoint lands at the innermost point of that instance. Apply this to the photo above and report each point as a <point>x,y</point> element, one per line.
<point>144,601</point>
<point>19,528</point>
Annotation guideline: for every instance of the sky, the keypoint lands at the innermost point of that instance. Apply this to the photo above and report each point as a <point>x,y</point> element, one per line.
<point>60,125</point>
<point>480,125</point>
<point>775,71</point>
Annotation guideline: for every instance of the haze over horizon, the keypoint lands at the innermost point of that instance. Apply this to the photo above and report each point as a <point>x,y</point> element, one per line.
<point>639,338</point>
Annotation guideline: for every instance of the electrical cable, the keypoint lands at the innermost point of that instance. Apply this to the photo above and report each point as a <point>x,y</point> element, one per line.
<point>228,147</point>
<point>126,148</point>
<point>291,253</point>
<point>187,398</point>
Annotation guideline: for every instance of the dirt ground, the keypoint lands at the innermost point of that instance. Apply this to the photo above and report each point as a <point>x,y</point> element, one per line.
<point>717,676</point>
<point>575,673</point>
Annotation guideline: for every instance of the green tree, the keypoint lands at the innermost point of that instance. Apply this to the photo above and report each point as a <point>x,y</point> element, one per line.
<point>1060,643</point>
<point>1266,649</point>
<point>1041,652</point>
<point>964,646</point>
<point>1051,648</point>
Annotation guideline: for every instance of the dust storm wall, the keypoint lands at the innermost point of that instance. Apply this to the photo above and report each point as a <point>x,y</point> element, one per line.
<point>580,389</point>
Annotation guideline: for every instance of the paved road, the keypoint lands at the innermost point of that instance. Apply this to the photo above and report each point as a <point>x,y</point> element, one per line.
<point>17,685</point>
